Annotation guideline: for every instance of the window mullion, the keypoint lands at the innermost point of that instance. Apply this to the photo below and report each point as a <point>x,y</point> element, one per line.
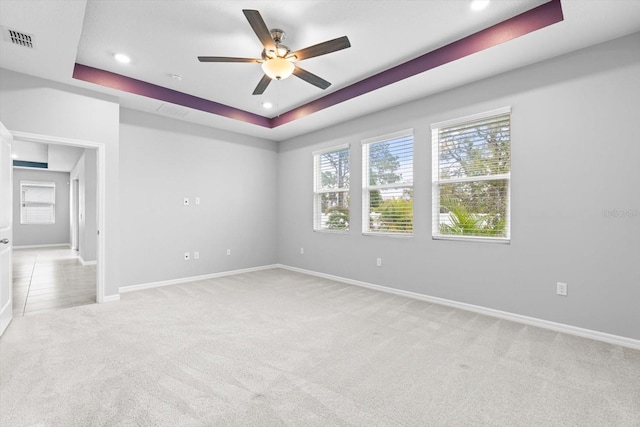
<point>504,176</point>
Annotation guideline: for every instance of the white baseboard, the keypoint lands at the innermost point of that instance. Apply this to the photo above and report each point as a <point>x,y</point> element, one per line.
<point>111,298</point>
<point>532,321</point>
<point>85,263</point>
<point>142,286</point>
<point>5,316</point>
<point>66,245</point>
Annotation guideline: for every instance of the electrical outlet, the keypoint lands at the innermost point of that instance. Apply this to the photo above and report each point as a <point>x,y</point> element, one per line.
<point>228,251</point>
<point>187,257</point>
<point>196,255</point>
<point>561,289</point>
<point>186,201</point>
<point>379,262</point>
<point>301,251</point>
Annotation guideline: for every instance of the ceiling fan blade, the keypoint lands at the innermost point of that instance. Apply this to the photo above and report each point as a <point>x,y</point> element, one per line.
<point>262,85</point>
<point>322,48</point>
<point>225,59</point>
<point>260,28</point>
<point>311,78</point>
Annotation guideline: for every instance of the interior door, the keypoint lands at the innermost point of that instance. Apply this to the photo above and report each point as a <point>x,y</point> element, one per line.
<point>6,211</point>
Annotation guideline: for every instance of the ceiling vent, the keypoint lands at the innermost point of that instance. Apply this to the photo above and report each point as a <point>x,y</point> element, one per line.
<point>17,37</point>
<point>171,110</point>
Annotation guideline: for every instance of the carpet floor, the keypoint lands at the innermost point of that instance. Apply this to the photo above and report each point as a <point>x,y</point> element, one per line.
<point>278,348</point>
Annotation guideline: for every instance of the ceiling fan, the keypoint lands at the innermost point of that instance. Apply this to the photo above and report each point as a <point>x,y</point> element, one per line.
<point>276,59</point>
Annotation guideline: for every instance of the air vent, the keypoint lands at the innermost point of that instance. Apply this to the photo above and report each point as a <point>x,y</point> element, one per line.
<point>171,110</point>
<point>17,37</point>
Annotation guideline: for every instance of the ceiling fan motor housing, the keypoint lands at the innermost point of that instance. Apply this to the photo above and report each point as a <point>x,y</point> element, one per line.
<point>277,34</point>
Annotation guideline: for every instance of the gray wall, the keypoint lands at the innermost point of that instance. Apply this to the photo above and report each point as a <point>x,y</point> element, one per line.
<point>42,234</point>
<point>162,161</point>
<point>34,105</point>
<point>575,144</point>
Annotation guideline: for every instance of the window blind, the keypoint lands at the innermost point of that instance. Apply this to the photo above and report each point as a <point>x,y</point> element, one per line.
<point>388,184</point>
<point>38,202</point>
<point>471,177</point>
<point>331,189</point>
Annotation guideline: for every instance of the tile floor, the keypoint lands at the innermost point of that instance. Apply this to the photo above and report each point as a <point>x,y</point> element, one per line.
<point>50,278</point>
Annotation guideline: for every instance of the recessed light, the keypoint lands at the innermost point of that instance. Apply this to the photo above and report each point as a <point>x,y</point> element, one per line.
<point>267,105</point>
<point>176,77</point>
<point>14,156</point>
<point>121,57</point>
<point>479,4</point>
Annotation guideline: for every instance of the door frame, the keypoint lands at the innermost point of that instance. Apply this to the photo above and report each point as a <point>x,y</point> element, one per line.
<point>100,178</point>
<point>6,310</point>
<point>75,209</point>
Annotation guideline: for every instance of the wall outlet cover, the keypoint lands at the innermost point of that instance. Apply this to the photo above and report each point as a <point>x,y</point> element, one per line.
<point>561,289</point>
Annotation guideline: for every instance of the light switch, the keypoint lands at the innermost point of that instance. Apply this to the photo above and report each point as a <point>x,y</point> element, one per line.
<point>186,201</point>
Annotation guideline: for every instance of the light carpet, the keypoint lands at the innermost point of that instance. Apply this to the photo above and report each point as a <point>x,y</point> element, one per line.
<point>278,348</point>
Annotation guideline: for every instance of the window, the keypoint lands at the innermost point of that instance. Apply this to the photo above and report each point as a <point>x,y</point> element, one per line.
<point>387,168</point>
<point>331,189</point>
<point>37,202</point>
<point>471,177</point>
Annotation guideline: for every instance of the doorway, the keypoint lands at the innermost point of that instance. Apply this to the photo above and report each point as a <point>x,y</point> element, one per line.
<point>70,262</point>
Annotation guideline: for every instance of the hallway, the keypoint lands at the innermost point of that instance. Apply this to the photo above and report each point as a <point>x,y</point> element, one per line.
<point>50,278</point>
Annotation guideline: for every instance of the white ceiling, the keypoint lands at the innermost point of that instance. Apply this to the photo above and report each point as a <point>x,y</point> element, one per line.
<point>165,37</point>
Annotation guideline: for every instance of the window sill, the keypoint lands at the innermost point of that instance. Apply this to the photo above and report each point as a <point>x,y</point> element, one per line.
<point>331,231</point>
<point>400,235</point>
<point>499,240</point>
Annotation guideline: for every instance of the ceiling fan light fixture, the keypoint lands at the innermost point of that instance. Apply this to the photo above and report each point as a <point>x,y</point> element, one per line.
<point>278,68</point>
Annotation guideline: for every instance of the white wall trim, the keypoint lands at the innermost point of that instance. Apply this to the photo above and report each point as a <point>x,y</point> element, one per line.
<point>51,245</point>
<point>85,263</point>
<point>101,196</point>
<point>6,315</point>
<point>518,318</point>
<point>132,288</point>
<point>111,298</point>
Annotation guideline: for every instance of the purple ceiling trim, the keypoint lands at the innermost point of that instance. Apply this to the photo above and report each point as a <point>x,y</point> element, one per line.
<point>127,84</point>
<point>527,22</point>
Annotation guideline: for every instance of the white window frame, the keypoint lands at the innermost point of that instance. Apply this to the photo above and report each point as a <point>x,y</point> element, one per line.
<point>24,204</point>
<point>318,190</point>
<point>437,181</point>
<point>367,188</point>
